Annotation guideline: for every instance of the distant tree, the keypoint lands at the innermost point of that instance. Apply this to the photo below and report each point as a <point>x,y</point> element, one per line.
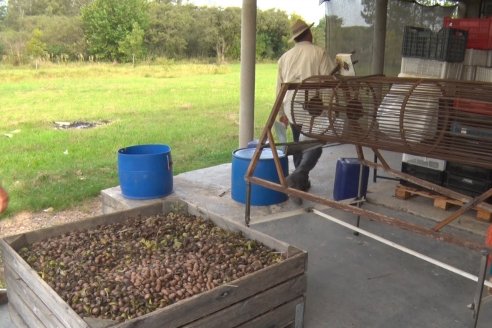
<point>169,27</point>
<point>14,43</point>
<point>63,35</point>
<point>169,2</point>
<point>3,11</point>
<point>133,44</point>
<point>228,31</point>
<point>178,31</point>
<point>35,47</point>
<point>263,50</point>
<point>202,44</point>
<point>108,22</point>
<point>22,8</point>
<point>319,33</point>
<point>402,13</point>
<point>273,33</point>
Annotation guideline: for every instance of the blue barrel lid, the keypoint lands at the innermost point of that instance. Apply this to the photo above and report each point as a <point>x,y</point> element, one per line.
<point>247,153</point>
<point>149,149</point>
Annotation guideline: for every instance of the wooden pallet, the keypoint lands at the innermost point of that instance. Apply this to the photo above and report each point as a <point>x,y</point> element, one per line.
<point>440,201</point>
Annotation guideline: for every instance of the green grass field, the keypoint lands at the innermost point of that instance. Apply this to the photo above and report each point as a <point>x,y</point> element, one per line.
<point>194,108</point>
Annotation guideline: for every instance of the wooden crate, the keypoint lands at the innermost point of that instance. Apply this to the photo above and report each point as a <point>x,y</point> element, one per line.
<point>271,297</point>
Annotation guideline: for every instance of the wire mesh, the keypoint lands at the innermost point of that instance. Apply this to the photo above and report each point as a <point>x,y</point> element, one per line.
<point>444,119</point>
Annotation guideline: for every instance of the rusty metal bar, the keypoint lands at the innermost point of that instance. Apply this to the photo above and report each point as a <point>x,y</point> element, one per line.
<point>467,204</point>
<point>380,157</point>
<point>256,156</point>
<point>360,153</point>
<point>276,159</point>
<point>463,209</point>
<point>368,214</point>
<point>264,135</point>
<point>429,185</point>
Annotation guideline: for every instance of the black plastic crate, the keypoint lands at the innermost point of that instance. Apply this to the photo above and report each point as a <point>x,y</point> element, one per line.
<point>466,185</point>
<point>466,130</point>
<point>469,171</point>
<point>417,42</point>
<point>424,173</point>
<point>451,45</point>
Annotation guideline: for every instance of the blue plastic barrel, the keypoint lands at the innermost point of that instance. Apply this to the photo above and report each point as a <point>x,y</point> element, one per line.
<point>265,169</point>
<point>347,179</point>
<point>145,171</point>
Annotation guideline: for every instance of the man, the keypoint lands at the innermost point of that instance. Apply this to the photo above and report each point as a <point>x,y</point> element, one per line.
<point>302,61</point>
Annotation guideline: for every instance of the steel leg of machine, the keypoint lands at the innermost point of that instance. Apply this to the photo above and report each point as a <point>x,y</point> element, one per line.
<point>247,212</point>
<point>359,195</point>
<point>375,170</point>
<point>477,300</point>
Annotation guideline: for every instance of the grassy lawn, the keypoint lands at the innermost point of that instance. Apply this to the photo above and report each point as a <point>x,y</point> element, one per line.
<point>194,108</point>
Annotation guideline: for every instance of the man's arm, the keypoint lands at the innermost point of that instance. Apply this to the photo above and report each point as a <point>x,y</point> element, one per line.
<point>281,115</point>
<point>326,65</point>
<point>4,200</point>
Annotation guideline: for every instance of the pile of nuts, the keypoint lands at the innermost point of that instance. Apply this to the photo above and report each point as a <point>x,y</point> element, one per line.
<point>125,270</point>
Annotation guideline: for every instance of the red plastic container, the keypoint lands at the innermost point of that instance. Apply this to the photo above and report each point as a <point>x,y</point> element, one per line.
<point>479,31</point>
<point>473,106</point>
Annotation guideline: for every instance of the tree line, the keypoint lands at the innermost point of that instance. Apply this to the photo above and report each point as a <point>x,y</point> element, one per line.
<point>138,30</point>
<point>129,30</point>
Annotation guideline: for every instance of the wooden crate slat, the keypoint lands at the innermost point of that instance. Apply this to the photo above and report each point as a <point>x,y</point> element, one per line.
<point>250,308</point>
<point>15,317</point>
<point>220,297</point>
<point>279,317</point>
<point>36,305</point>
<point>53,301</point>
<point>99,323</point>
<point>24,310</point>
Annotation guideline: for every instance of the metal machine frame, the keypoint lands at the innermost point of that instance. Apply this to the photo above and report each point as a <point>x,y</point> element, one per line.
<point>267,140</point>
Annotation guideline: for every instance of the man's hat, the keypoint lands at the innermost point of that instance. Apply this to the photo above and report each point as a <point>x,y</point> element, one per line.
<point>298,28</point>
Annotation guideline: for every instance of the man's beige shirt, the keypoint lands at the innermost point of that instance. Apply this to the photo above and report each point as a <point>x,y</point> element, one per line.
<point>302,61</point>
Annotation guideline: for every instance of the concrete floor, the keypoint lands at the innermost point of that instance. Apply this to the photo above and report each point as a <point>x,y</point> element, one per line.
<point>352,281</point>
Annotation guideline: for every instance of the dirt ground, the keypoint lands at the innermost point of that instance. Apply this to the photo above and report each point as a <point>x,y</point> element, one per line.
<point>28,221</point>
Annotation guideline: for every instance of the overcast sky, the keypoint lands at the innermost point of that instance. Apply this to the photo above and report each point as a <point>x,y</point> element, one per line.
<point>310,10</point>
